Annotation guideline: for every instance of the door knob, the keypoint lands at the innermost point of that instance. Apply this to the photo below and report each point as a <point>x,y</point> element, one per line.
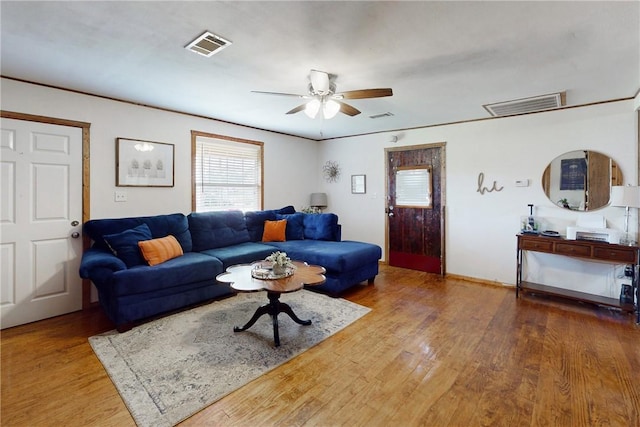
<point>75,234</point>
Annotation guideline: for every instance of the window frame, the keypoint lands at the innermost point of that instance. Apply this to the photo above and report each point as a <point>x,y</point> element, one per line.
<point>198,134</point>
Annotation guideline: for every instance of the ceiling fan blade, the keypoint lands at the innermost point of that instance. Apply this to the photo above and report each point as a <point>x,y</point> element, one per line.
<point>319,81</point>
<point>279,94</point>
<point>348,109</point>
<point>297,109</point>
<point>365,93</point>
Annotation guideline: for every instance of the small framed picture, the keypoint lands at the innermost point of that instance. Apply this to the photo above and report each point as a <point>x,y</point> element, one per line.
<point>144,163</point>
<point>358,184</point>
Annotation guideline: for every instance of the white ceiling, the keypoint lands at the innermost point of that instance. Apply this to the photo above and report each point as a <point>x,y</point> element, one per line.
<point>444,60</point>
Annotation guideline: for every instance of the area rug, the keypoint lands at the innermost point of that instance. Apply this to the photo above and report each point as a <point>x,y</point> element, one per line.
<point>171,368</point>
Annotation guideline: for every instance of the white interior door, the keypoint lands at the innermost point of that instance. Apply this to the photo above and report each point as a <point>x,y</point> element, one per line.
<point>40,221</point>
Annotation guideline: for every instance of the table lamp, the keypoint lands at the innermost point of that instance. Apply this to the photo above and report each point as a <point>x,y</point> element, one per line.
<point>626,197</point>
<point>318,201</point>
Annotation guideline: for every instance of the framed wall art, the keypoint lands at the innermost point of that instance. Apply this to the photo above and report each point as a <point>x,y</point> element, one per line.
<point>358,184</point>
<point>144,163</point>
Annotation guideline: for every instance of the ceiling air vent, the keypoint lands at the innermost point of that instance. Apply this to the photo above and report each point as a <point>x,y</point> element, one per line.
<point>381,115</point>
<point>207,44</point>
<point>527,105</point>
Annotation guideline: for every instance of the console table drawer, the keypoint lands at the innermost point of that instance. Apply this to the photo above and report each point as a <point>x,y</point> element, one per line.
<point>573,250</point>
<point>622,255</point>
<point>535,245</point>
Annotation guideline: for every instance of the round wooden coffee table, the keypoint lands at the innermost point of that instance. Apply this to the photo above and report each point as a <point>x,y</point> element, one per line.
<point>240,278</point>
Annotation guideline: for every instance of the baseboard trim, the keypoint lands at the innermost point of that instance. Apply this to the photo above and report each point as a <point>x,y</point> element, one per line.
<point>479,281</point>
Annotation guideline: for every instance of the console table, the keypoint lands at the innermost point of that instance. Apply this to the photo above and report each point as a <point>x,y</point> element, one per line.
<point>589,251</point>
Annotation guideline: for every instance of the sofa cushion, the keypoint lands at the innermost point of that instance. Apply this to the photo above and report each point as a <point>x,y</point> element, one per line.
<point>274,231</point>
<point>295,225</point>
<point>255,220</point>
<point>160,226</point>
<point>157,251</point>
<point>124,245</point>
<point>255,223</point>
<point>243,253</point>
<point>192,267</point>
<point>217,229</point>
<point>321,226</point>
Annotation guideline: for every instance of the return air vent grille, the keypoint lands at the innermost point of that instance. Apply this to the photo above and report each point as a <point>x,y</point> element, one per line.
<point>207,44</point>
<point>526,105</point>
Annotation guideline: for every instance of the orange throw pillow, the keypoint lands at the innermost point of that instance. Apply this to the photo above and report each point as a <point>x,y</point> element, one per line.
<point>157,251</point>
<point>274,231</point>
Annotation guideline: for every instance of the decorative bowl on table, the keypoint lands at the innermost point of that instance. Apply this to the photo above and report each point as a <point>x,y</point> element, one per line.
<point>265,272</point>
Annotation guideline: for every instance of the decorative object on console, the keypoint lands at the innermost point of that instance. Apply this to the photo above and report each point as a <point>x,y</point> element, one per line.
<point>318,201</point>
<point>331,171</point>
<point>529,224</point>
<point>564,203</point>
<point>626,197</point>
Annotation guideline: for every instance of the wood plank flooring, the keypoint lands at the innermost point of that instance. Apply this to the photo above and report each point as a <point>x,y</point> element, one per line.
<point>432,352</point>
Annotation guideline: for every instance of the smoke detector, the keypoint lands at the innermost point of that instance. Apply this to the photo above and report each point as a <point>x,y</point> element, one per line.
<point>527,105</point>
<point>207,44</point>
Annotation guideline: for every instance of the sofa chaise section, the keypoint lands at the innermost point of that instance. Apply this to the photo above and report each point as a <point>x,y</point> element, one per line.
<point>347,262</point>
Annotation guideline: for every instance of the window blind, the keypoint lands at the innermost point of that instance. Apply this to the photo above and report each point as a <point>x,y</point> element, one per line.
<point>228,175</point>
<point>413,187</point>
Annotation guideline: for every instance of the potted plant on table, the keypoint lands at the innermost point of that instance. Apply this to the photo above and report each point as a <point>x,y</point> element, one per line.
<point>280,261</point>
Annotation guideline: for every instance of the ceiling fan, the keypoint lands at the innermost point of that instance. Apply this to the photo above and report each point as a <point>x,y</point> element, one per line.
<point>322,96</point>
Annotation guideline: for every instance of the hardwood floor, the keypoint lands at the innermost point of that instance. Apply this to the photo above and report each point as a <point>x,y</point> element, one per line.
<point>432,352</point>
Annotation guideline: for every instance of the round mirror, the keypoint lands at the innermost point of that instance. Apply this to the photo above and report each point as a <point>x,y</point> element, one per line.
<point>581,180</point>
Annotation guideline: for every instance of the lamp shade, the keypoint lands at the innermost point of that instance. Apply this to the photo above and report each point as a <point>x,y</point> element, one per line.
<point>312,108</point>
<point>330,109</point>
<point>625,196</point>
<point>318,200</point>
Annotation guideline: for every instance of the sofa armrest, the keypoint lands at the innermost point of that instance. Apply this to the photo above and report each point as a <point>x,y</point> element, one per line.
<point>99,258</point>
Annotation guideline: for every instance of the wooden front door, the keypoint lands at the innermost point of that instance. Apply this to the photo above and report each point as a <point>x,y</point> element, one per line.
<point>415,219</point>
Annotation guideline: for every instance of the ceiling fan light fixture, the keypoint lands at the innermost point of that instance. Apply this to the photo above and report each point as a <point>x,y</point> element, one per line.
<point>330,108</point>
<point>312,108</point>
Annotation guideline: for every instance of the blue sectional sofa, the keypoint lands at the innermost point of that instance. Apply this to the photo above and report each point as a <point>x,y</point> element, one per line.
<point>130,290</point>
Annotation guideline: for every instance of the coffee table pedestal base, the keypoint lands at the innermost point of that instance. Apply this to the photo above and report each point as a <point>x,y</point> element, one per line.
<point>273,309</point>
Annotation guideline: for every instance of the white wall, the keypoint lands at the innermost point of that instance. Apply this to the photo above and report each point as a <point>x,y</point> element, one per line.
<point>481,229</point>
<point>111,119</point>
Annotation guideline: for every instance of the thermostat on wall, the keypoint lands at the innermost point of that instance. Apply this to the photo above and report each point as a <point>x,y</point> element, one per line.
<point>522,183</point>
